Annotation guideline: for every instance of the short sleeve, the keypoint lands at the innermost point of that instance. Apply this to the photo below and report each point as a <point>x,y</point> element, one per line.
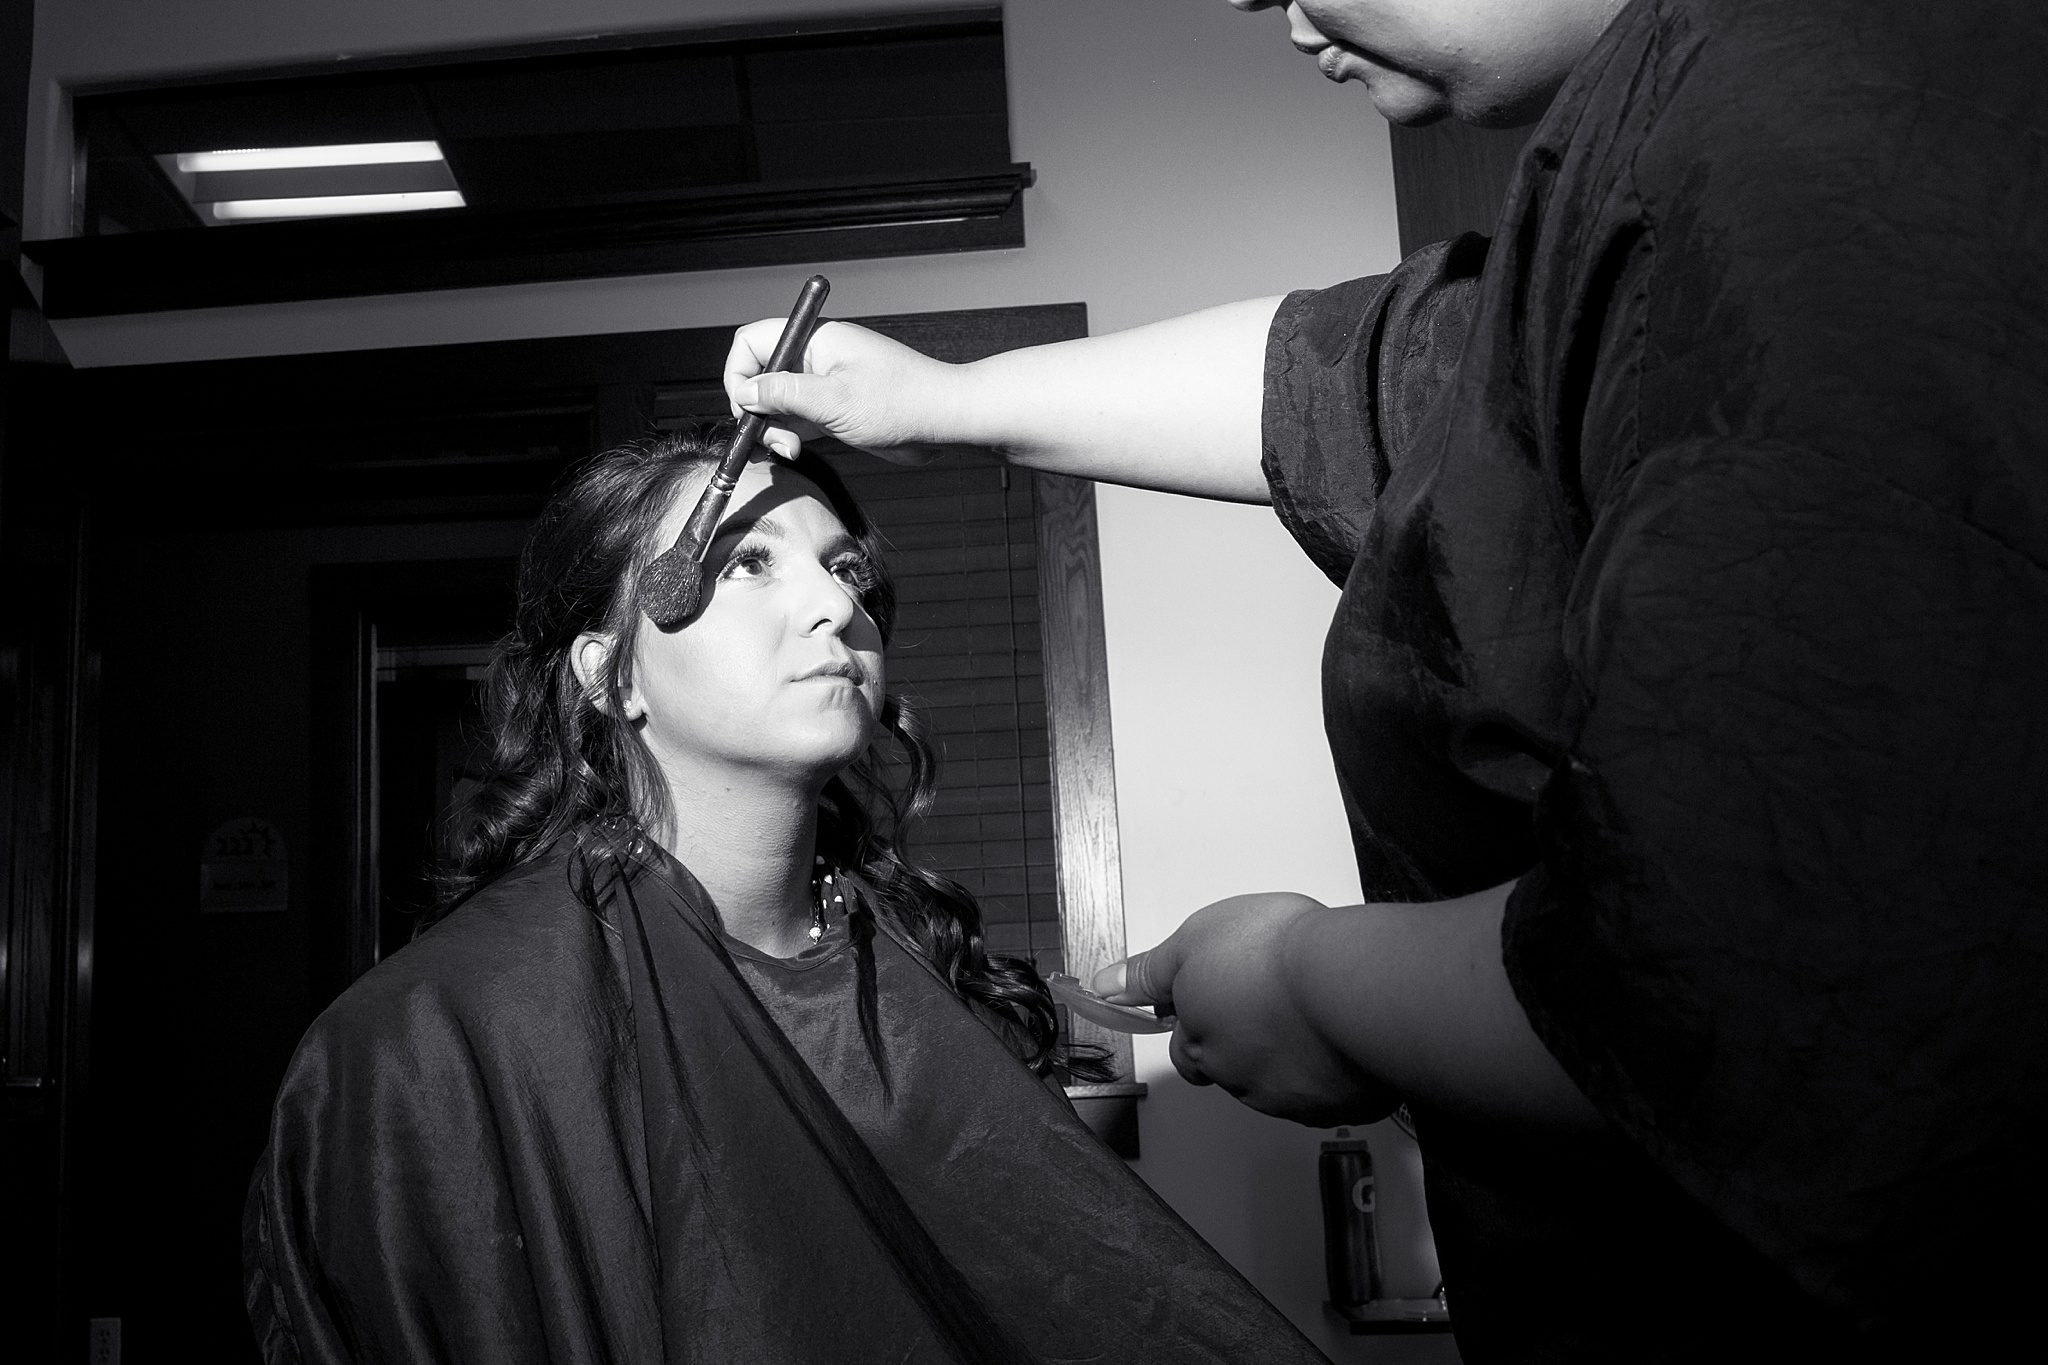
<point>1352,372</point>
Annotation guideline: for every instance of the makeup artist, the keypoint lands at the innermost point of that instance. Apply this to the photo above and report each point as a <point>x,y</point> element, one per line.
<point>1686,686</point>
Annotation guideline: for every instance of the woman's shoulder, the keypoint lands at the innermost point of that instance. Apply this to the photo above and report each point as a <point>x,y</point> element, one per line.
<point>522,955</point>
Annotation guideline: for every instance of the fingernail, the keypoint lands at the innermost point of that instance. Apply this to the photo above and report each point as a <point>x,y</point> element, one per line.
<point>1109,981</point>
<point>748,393</point>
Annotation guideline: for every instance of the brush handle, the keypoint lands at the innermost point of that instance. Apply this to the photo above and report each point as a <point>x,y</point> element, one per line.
<point>789,351</point>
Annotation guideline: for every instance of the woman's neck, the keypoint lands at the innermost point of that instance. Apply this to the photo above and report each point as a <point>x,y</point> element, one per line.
<point>751,846</point>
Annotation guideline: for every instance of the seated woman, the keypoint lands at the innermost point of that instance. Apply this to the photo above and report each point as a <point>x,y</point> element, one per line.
<point>700,1066</point>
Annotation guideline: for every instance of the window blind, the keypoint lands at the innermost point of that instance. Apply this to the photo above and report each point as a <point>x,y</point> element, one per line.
<point>962,541</point>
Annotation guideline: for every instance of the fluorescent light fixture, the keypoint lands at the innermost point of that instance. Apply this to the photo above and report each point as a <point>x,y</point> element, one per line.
<point>334,205</point>
<point>292,158</point>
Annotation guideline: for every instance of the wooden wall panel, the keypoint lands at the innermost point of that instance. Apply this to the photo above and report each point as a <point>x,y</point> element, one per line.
<point>1450,178</point>
<point>1077,713</point>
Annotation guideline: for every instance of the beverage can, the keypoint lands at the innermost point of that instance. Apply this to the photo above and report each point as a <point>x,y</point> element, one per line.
<point>1351,1249</point>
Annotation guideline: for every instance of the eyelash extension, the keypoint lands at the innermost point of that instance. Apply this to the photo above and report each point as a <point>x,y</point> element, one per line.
<point>745,553</point>
<point>860,571</point>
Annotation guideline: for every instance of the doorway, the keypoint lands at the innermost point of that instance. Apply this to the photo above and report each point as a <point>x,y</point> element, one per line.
<point>298,574</point>
<point>431,751</point>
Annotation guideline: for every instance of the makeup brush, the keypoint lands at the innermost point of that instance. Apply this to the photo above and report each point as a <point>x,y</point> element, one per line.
<point>673,587</point>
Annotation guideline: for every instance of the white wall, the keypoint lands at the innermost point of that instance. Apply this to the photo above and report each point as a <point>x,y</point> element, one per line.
<point>1186,156</point>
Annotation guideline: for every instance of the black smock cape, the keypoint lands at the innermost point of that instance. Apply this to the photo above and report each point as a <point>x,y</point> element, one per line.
<point>1693,537</point>
<point>544,1134</point>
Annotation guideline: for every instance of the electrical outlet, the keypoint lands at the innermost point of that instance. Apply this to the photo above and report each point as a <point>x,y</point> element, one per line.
<point>103,1341</point>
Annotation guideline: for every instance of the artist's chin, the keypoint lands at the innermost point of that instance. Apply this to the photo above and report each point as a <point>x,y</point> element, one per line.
<point>1400,97</point>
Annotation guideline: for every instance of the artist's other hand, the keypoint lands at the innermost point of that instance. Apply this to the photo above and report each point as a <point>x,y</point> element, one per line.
<point>874,394</point>
<point>1223,973</point>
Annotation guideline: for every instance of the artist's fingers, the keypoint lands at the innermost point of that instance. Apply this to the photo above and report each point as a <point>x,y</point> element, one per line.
<point>807,404</point>
<point>1110,982</point>
<point>1142,978</point>
<point>750,349</point>
<point>784,442</point>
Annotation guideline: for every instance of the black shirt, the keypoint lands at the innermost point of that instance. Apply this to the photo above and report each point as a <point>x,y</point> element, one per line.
<point>1694,543</point>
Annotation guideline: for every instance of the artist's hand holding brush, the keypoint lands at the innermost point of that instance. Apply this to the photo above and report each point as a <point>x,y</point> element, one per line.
<point>874,394</point>
<point>1334,1015</point>
<point>1173,406</point>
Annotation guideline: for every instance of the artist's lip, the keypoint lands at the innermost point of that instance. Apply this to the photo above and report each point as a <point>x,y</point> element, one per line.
<point>1339,63</point>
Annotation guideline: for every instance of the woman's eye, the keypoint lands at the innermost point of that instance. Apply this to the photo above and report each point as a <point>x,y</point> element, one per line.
<point>746,562</point>
<point>856,571</point>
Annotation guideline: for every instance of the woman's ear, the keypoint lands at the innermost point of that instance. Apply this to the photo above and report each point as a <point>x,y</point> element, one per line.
<point>590,656</point>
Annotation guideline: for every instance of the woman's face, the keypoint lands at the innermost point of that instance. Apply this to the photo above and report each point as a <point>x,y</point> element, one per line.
<point>780,673</point>
<point>1494,62</point>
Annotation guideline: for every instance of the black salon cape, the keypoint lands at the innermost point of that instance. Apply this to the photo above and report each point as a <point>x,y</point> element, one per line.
<point>541,1134</point>
<point>1693,538</point>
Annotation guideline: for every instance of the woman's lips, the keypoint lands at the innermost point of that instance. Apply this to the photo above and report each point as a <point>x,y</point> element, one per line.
<point>846,672</point>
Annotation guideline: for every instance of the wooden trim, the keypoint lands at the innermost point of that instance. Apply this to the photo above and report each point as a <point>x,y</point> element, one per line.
<point>145,272</point>
<point>365,886</point>
<point>1083,757</point>
<point>344,866</point>
<point>204,395</point>
<point>81,782</point>
<point>1451,177</point>
<point>50,689</point>
<point>78,903</point>
<point>355,606</point>
<point>974,333</point>
<point>782,31</point>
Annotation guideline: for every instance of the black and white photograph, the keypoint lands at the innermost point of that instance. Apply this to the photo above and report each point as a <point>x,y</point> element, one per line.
<point>1044,682</point>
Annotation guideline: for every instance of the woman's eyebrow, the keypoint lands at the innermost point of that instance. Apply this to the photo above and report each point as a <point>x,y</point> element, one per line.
<point>738,528</point>
<point>768,526</point>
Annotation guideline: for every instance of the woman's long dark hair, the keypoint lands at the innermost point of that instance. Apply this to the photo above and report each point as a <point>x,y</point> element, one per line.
<point>567,772</point>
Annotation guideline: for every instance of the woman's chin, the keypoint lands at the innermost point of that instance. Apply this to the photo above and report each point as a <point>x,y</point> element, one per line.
<point>828,751</point>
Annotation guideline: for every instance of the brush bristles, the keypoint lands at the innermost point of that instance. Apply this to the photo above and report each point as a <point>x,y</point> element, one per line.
<point>671,588</point>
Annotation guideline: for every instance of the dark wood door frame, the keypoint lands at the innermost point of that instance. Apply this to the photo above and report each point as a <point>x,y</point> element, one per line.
<point>356,608</point>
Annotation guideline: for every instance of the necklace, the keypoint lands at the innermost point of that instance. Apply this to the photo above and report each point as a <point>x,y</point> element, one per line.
<point>828,895</point>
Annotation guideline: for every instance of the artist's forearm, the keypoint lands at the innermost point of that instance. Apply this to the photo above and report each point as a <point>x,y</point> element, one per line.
<point>1418,997</point>
<point>1173,406</point>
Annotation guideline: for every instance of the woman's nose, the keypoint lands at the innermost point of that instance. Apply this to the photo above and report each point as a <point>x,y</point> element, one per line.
<point>827,603</point>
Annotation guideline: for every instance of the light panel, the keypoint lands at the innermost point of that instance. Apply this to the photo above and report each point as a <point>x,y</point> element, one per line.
<point>334,205</point>
<point>293,158</point>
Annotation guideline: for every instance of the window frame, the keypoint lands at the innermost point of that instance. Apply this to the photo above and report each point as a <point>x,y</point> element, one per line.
<point>188,405</point>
